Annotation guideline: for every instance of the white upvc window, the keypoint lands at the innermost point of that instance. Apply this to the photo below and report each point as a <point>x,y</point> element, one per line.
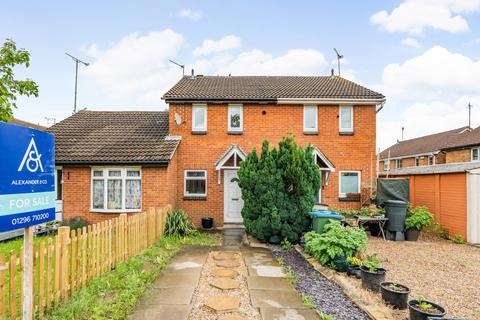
<point>398,163</point>
<point>386,165</point>
<point>199,117</point>
<point>235,117</point>
<point>195,183</point>
<point>417,161</point>
<point>116,189</point>
<point>349,182</point>
<point>475,154</point>
<point>431,160</point>
<point>346,119</point>
<point>310,118</point>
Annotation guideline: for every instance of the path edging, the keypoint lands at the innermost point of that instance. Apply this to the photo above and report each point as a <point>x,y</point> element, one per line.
<point>350,291</point>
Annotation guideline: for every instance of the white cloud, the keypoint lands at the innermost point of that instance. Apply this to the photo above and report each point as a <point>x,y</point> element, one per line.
<point>413,16</point>
<point>191,14</point>
<point>211,46</point>
<point>411,42</point>
<point>258,62</point>
<point>435,73</point>
<point>136,66</point>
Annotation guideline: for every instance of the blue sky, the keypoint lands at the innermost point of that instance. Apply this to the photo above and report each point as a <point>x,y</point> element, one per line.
<point>424,55</point>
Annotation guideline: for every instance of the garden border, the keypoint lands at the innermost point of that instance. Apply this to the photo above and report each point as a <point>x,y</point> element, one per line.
<point>350,291</point>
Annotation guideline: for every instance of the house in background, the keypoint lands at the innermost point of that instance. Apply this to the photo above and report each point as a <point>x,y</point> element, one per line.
<point>27,124</point>
<point>114,162</point>
<point>458,145</point>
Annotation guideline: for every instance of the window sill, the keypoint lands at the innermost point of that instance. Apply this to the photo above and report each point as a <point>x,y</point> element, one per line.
<point>310,133</point>
<point>234,133</point>
<point>115,211</point>
<point>200,133</point>
<point>195,198</point>
<point>345,199</point>
<point>346,133</point>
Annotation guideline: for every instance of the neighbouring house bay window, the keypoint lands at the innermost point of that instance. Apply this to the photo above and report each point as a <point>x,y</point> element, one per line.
<point>199,118</point>
<point>475,154</point>
<point>235,117</point>
<point>349,182</point>
<point>195,182</point>
<point>116,189</point>
<point>346,120</point>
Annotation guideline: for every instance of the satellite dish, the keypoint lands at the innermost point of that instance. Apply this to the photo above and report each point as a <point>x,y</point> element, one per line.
<point>178,119</point>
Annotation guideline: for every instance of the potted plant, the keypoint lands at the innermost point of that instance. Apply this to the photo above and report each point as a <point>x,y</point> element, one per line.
<point>207,223</point>
<point>422,309</point>
<point>417,219</point>
<point>395,294</point>
<point>353,267</point>
<point>372,273</point>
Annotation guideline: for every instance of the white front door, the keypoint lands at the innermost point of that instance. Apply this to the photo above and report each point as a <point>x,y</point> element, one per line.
<point>233,202</point>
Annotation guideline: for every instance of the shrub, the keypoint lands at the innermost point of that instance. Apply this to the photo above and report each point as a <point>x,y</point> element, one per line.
<point>335,241</point>
<point>372,263</point>
<point>457,239</point>
<point>286,245</point>
<point>75,223</point>
<point>278,190</point>
<point>418,218</point>
<point>178,224</point>
<point>354,261</point>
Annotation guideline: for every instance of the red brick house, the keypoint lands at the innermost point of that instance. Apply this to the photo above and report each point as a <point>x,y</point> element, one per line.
<point>128,161</point>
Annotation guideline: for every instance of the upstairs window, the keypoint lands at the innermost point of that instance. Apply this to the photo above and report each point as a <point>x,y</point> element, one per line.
<point>475,154</point>
<point>346,120</point>
<point>386,167</point>
<point>417,162</point>
<point>199,118</point>
<point>195,183</point>
<point>398,163</point>
<point>310,119</point>
<point>430,160</point>
<point>235,118</point>
<point>116,189</point>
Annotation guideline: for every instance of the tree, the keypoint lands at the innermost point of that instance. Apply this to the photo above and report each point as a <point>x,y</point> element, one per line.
<point>10,57</point>
<point>278,190</point>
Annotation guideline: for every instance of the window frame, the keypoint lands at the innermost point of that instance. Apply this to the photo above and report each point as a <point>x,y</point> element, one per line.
<point>310,130</point>
<point>340,128</point>
<point>386,165</point>
<point>417,161</point>
<point>478,154</point>
<point>197,195</point>
<point>398,163</point>
<point>199,106</point>
<point>432,158</point>
<point>123,177</point>
<point>344,195</point>
<point>231,107</point>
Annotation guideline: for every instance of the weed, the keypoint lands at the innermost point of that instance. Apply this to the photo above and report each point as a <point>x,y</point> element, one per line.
<point>324,316</point>
<point>281,261</point>
<point>458,239</point>
<point>286,245</point>
<point>291,277</point>
<point>308,301</point>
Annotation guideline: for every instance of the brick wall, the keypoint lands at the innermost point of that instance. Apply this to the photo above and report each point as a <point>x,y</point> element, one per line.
<point>462,155</point>
<point>203,151</point>
<point>410,161</point>
<point>158,190</point>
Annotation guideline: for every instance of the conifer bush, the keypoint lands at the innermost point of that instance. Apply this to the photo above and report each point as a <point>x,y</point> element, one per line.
<point>278,190</point>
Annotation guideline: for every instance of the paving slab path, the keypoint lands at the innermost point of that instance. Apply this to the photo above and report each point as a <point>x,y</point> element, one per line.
<point>227,282</point>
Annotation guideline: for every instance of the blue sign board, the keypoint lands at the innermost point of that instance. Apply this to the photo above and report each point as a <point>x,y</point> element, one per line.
<point>27,177</point>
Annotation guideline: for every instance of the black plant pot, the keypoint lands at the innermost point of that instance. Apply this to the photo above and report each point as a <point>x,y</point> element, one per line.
<point>372,280</point>
<point>417,314</point>
<point>354,271</point>
<point>207,223</point>
<point>412,234</point>
<point>398,299</point>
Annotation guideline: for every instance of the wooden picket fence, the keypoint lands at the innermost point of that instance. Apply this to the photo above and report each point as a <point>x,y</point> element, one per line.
<point>67,262</point>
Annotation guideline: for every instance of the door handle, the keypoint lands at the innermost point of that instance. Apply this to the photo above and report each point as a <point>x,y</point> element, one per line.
<point>235,199</point>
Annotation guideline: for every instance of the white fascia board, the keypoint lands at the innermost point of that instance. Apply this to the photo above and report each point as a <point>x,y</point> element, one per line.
<point>433,153</point>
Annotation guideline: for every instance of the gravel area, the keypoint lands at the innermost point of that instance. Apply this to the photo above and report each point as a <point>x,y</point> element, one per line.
<point>439,270</point>
<point>329,297</point>
<point>204,290</point>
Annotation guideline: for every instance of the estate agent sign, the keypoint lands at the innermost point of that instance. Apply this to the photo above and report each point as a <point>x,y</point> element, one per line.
<point>27,181</point>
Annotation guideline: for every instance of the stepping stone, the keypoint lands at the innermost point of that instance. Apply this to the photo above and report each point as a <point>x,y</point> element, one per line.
<point>225,283</point>
<point>227,263</point>
<point>223,303</point>
<point>225,256</point>
<point>226,273</point>
<point>232,317</point>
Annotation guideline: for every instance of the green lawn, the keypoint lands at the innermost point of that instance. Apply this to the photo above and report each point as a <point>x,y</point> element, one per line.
<point>17,243</point>
<point>114,295</point>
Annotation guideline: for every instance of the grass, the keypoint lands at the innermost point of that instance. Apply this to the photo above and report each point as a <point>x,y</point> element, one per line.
<point>17,243</point>
<point>114,295</point>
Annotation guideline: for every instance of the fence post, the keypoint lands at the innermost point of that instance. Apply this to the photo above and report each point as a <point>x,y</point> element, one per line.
<point>2,284</point>
<point>122,233</point>
<point>64,233</point>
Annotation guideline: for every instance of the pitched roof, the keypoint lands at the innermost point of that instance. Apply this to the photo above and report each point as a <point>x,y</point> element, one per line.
<point>466,139</point>
<point>267,88</point>
<point>111,137</point>
<point>438,168</point>
<point>27,124</point>
<point>422,145</point>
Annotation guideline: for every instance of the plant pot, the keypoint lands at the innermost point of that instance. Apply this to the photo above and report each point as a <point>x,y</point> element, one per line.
<point>398,299</point>
<point>417,314</point>
<point>412,234</point>
<point>207,223</point>
<point>372,280</point>
<point>354,271</point>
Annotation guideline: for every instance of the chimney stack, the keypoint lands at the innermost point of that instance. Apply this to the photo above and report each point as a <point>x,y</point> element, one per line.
<point>193,74</point>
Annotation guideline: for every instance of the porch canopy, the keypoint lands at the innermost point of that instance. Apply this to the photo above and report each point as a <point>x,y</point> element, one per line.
<point>230,160</point>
